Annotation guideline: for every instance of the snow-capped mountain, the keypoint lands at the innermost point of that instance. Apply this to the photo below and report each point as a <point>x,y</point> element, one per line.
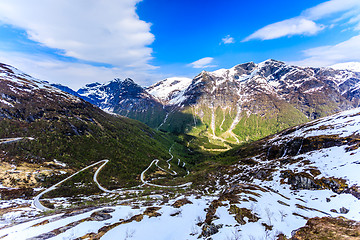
<point>117,92</point>
<point>352,66</point>
<point>272,78</point>
<point>246,102</point>
<point>250,101</point>
<point>126,98</point>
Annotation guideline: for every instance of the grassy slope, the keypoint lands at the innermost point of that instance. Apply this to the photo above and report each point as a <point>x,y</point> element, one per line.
<point>152,117</point>
<point>266,117</point>
<point>129,145</point>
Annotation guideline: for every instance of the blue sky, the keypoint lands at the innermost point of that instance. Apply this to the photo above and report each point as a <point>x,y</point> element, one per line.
<point>78,42</point>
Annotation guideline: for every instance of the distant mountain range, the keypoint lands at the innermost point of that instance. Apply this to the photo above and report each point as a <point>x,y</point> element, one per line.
<point>230,106</point>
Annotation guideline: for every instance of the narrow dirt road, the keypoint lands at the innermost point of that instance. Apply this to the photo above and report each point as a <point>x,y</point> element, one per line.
<point>36,202</point>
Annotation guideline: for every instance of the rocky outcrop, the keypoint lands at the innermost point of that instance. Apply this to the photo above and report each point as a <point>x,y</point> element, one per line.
<point>300,180</point>
<point>181,202</point>
<point>210,229</point>
<point>102,215</point>
<point>328,228</point>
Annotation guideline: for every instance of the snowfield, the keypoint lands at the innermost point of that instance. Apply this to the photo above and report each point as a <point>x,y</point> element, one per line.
<point>170,86</point>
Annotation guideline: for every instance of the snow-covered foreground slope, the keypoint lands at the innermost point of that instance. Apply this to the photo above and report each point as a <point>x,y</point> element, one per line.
<point>274,186</point>
<point>341,160</point>
<point>165,222</point>
<point>303,172</point>
<point>281,209</point>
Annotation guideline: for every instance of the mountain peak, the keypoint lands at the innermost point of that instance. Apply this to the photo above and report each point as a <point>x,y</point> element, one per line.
<point>124,97</point>
<point>272,61</point>
<point>129,80</point>
<point>121,81</point>
<point>90,85</point>
<point>249,66</point>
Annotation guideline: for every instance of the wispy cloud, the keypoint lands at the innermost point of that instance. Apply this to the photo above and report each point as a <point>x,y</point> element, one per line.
<point>307,22</point>
<point>110,33</point>
<point>328,8</point>
<point>203,63</point>
<point>328,55</point>
<point>228,40</point>
<point>289,27</point>
<point>74,75</point>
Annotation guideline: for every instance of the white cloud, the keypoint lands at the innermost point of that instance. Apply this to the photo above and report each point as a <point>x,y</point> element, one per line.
<point>306,23</point>
<point>328,55</point>
<point>107,31</point>
<point>289,27</point>
<point>228,40</point>
<point>203,63</point>
<point>330,7</point>
<point>74,75</point>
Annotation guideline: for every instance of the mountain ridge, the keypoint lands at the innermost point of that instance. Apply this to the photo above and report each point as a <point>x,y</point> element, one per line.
<point>240,104</point>
<point>126,98</point>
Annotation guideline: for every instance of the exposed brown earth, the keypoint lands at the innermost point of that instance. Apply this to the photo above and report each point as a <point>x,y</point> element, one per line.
<point>328,228</point>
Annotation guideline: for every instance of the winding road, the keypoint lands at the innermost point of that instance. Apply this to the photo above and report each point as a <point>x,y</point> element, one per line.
<point>142,178</point>
<point>156,161</point>
<point>36,201</point>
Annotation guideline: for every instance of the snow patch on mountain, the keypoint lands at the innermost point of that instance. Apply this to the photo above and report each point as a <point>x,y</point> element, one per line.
<point>169,88</point>
<point>224,74</point>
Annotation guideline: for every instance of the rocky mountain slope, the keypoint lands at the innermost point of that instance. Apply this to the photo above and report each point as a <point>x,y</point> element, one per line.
<point>126,98</point>
<point>62,133</point>
<point>268,189</point>
<point>232,106</point>
<point>250,101</point>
